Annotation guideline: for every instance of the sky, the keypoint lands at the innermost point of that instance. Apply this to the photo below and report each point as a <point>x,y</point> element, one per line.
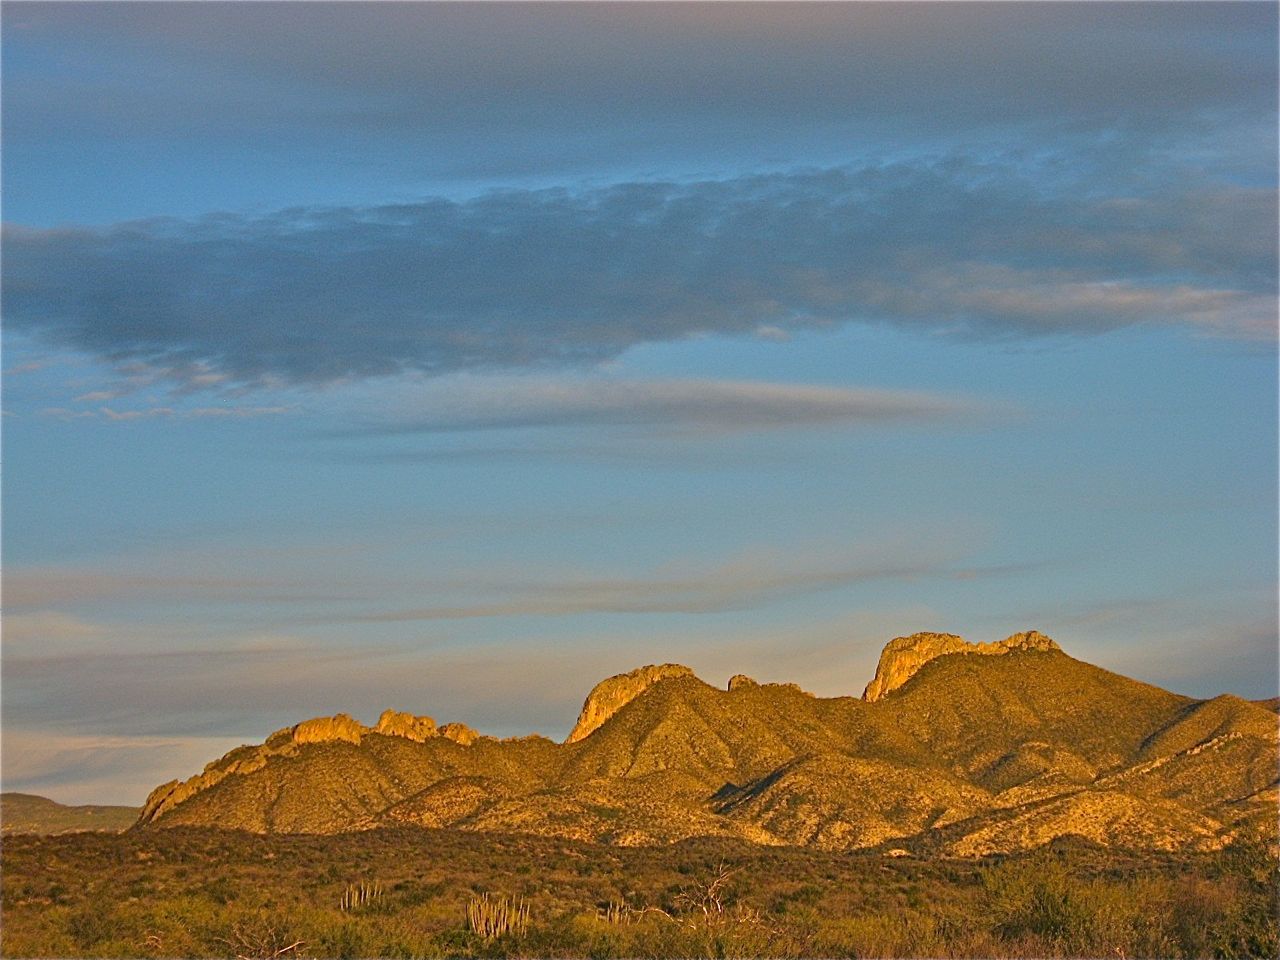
<point>450,358</point>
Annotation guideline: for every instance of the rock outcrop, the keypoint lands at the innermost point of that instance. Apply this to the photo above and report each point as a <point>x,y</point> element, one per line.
<point>904,656</point>
<point>459,733</point>
<point>325,729</point>
<point>788,685</point>
<point>247,759</point>
<point>609,696</point>
<point>740,681</point>
<point>394,723</point>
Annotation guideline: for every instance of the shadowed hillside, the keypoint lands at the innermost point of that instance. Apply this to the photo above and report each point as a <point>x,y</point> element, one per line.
<point>957,749</point>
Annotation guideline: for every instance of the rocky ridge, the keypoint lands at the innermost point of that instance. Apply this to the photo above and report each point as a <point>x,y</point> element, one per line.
<point>609,696</point>
<point>948,752</point>
<point>904,656</point>
<point>286,743</point>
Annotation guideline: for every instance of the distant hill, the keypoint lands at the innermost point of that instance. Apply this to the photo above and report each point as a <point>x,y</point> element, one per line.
<point>955,748</point>
<point>27,813</point>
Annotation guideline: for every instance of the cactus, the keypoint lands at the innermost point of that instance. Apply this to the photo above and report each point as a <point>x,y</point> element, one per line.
<point>617,913</point>
<point>495,916</point>
<point>360,894</point>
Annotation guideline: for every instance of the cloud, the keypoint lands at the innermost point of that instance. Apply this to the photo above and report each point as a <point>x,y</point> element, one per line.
<point>65,414</point>
<point>170,715</point>
<point>164,710</point>
<point>1226,655</point>
<point>176,676</point>
<point>746,583</point>
<point>30,366</point>
<point>33,588</point>
<point>211,698</point>
<point>112,415</point>
<point>569,83</point>
<point>87,768</point>
<point>467,403</point>
<point>271,603</point>
<point>529,279</point>
<point>35,595</point>
<point>45,629</point>
<point>250,692</point>
<point>1213,637</point>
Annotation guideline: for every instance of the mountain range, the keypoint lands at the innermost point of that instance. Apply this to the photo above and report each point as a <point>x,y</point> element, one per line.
<point>954,748</point>
<point>28,813</point>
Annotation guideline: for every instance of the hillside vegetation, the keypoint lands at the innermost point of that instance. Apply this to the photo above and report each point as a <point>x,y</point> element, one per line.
<point>412,892</point>
<point>27,813</point>
<point>957,750</point>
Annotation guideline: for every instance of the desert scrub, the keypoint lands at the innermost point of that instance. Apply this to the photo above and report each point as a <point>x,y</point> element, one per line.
<point>70,897</point>
<point>361,894</point>
<point>264,939</point>
<point>490,916</point>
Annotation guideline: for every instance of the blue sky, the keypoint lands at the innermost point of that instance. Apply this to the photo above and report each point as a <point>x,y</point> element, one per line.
<point>450,358</point>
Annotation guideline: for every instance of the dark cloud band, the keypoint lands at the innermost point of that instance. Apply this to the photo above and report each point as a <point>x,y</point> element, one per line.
<point>521,279</point>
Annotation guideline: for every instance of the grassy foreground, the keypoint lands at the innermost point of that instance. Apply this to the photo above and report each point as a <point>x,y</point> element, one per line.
<point>424,893</point>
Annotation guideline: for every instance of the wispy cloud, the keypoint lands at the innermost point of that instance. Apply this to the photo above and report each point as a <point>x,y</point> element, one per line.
<point>33,588</point>
<point>467,403</point>
<point>1225,655</point>
<point>87,768</point>
<point>1220,637</point>
<point>736,585</point>
<point>45,629</point>
<point>162,706</point>
<point>251,691</point>
<point>114,415</point>
<point>29,366</point>
<point>526,279</point>
<point>155,703</point>
<point>182,602</point>
<point>463,87</point>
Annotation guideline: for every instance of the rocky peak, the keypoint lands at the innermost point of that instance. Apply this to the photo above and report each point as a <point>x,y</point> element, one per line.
<point>902,657</point>
<point>741,681</point>
<point>325,729</point>
<point>1029,640</point>
<point>459,733</point>
<point>395,723</point>
<point>609,696</point>
<point>794,687</point>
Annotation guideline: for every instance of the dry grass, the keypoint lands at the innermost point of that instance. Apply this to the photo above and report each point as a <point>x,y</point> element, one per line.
<point>206,893</point>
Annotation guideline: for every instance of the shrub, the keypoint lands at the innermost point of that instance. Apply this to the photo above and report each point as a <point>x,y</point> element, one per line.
<point>260,939</point>
<point>1039,898</point>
